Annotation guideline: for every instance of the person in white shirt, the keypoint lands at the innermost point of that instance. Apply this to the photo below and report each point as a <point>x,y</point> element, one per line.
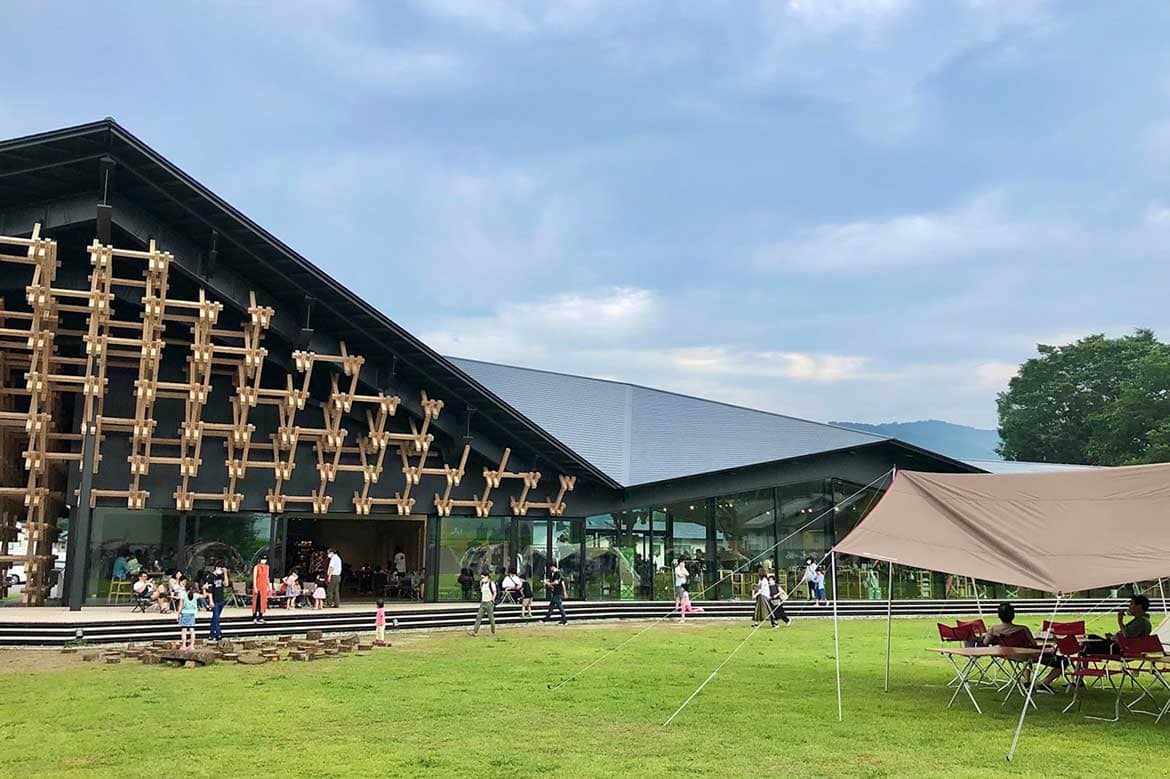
<point>333,580</point>
<point>810,578</point>
<point>487,603</point>
<point>681,577</point>
<point>513,586</point>
<point>400,561</point>
<point>763,594</point>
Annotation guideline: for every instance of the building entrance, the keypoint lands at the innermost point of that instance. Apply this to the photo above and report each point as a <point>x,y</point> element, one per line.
<point>379,557</point>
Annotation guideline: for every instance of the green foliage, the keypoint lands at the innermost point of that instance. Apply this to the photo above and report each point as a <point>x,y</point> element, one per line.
<point>1099,401</point>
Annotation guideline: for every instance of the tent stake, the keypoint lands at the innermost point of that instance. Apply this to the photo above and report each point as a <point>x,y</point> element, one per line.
<point>889,617</point>
<point>1032,684</point>
<point>836,639</point>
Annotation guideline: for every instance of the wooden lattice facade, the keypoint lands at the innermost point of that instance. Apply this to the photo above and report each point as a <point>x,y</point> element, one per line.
<point>83,372</point>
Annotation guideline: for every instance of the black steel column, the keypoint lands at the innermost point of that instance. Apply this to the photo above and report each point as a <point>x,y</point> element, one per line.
<point>78,547</point>
<point>105,211</point>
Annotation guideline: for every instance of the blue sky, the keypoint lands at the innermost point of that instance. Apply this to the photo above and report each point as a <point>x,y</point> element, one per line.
<point>844,209</point>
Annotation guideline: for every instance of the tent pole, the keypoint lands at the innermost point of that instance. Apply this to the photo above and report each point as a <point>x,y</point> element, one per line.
<point>1162,590</point>
<point>836,639</point>
<point>889,617</point>
<point>1032,684</point>
<point>978,602</point>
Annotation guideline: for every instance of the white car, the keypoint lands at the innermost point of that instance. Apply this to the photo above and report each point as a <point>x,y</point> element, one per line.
<point>15,575</point>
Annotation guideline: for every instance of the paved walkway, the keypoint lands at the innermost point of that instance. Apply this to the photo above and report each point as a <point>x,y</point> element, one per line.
<point>58,614</point>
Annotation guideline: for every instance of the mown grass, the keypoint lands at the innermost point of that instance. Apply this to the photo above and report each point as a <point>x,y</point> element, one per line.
<point>445,704</point>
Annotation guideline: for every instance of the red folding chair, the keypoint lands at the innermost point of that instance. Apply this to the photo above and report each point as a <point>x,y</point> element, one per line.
<point>1137,656</point>
<point>1064,628</point>
<point>964,635</point>
<point>1085,668</point>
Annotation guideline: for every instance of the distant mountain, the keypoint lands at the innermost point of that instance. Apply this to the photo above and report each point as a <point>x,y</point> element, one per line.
<point>958,441</point>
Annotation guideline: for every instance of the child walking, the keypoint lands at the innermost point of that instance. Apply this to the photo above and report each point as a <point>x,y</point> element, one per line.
<point>319,596</point>
<point>380,624</point>
<point>820,585</point>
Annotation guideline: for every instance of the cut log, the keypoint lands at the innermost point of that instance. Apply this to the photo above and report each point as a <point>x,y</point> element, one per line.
<point>313,635</point>
<point>198,656</point>
<point>251,660</point>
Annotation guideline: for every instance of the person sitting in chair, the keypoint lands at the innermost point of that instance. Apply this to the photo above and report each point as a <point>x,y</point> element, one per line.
<point>513,587</point>
<point>1008,633</point>
<point>1139,626</point>
<point>144,586</point>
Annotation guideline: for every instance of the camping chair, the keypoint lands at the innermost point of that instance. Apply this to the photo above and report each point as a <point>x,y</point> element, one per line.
<point>240,595</point>
<point>1064,628</point>
<point>140,601</point>
<point>1085,667</point>
<point>1017,639</point>
<point>978,630</point>
<point>964,635</point>
<point>1137,656</point>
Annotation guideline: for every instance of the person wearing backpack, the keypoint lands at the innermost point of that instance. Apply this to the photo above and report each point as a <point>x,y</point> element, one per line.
<point>487,603</point>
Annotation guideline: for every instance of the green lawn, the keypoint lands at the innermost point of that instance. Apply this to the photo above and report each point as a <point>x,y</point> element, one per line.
<point>445,704</point>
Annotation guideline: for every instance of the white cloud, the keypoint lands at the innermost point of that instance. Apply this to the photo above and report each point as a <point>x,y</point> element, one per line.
<point>527,332</point>
<point>521,17</point>
<point>905,240</point>
<point>1158,215</point>
<point>826,15</point>
<point>718,361</point>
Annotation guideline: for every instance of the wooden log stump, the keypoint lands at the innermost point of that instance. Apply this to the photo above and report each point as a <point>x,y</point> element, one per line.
<point>251,660</point>
<point>230,657</point>
<point>149,658</point>
<point>365,646</point>
<point>69,650</point>
<point>313,635</point>
<point>113,659</point>
<point>180,656</point>
<point>89,657</point>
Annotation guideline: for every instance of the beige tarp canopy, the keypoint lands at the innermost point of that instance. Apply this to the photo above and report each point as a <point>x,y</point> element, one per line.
<point>1056,532</point>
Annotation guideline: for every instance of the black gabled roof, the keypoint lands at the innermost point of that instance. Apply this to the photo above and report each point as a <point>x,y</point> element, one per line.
<point>47,166</point>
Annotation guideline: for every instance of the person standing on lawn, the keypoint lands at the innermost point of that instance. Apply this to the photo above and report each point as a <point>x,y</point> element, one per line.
<point>487,603</point>
<point>217,585</point>
<point>556,594</point>
<point>333,580</point>
<point>260,587</point>
<point>763,594</point>
<point>380,624</point>
<point>810,578</point>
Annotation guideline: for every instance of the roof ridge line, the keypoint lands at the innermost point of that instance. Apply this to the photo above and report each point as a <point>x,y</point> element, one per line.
<point>724,403</point>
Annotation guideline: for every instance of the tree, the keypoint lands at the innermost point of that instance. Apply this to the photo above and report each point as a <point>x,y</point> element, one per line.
<point>1099,401</point>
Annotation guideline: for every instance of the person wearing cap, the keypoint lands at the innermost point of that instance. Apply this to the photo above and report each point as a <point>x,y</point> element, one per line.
<point>260,585</point>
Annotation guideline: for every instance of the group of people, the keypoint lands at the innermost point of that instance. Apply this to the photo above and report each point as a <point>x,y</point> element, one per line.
<point>516,585</point>
<point>1007,632</point>
<point>324,591</point>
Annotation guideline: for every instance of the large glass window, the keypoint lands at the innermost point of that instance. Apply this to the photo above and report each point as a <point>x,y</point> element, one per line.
<point>744,540</point>
<point>803,530</point>
<point>531,554</point>
<point>683,528</point>
<point>237,541</point>
<point>618,559</point>
<point>124,541</point>
<point>566,550</point>
<point>467,544</point>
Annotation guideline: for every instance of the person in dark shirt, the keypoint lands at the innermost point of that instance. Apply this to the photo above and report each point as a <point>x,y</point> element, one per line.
<point>217,585</point>
<point>556,594</point>
<point>1139,626</point>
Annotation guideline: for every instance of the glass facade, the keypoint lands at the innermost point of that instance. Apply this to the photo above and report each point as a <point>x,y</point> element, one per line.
<point>160,542</point>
